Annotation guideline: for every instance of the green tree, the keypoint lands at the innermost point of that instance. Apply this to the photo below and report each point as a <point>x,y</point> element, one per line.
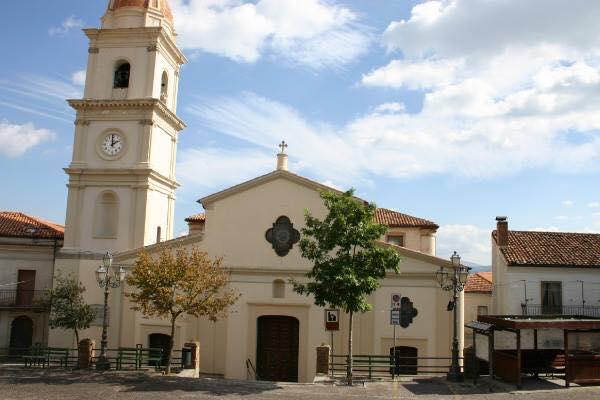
<point>68,309</point>
<point>348,264</point>
<point>177,283</point>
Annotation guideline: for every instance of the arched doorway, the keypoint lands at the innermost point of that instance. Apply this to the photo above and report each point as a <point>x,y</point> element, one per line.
<point>405,366</point>
<point>159,341</point>
<point>277,348</point>
<point>21,335</point>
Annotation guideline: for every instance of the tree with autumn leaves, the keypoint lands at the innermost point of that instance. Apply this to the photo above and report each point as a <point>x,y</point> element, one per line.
<point>177,283</point>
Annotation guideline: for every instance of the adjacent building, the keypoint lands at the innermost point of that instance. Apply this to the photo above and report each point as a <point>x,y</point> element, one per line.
<point>478,299</point>
<point>543,273</point>
<point>28,248</point>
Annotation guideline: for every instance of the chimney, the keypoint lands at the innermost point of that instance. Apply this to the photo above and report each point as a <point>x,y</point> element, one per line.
<point>282,158</point>
<point>502,229</point>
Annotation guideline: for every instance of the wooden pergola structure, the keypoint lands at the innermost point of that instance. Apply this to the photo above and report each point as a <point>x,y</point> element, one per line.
<point>579,363</point>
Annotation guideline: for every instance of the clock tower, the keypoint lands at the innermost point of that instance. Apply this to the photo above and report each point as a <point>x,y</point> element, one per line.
<point>121,189</point>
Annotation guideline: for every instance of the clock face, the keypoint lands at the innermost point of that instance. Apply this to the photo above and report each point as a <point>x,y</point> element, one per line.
<point>112,144</point>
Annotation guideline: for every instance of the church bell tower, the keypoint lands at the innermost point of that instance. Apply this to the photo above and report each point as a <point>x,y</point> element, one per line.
<point>121,189</point>
<point>122,176</point>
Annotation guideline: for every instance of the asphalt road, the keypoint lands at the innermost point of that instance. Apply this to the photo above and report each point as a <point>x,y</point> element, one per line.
<point>17,383</point>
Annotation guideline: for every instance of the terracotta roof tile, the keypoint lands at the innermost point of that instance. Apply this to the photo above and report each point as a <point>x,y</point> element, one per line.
<point>383,216</point>
<point>552,249</point>
<point>481,282</point>
<point>396,219</point>
<point>17,224</point>
<point>196,218</point>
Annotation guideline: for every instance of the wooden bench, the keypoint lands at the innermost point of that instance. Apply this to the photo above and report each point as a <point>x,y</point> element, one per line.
<point>151,356</point>
<point>129,356</point>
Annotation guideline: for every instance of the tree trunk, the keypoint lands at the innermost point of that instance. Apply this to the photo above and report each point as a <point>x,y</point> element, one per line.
<point>171,343</point>
<point>77,337</point>
<point>349,361</point>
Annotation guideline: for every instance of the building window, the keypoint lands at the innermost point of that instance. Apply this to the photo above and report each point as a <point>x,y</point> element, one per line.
<point>106,215</point>
<point>482,310</point>
<point>122,72</point>
<point>397,240</point>
<point>278,289</point>
<point>552,298</point>
<point>164,87</point>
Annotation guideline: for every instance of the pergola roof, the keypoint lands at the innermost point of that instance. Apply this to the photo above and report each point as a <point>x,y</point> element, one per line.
<point>517,322</point>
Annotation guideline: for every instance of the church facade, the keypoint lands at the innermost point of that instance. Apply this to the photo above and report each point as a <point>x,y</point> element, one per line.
<point>121,197</point>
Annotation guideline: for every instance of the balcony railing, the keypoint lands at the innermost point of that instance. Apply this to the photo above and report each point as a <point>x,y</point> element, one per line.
<point>541,309</point>
<point>24,299</point>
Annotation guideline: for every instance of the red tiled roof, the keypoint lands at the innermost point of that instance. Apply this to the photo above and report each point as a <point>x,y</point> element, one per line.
<point>395,219</point>
<point>481,282</point>
<point>552,249</point>
<point>196,218</point>
<point>17,224</point>
<point>383,216</point>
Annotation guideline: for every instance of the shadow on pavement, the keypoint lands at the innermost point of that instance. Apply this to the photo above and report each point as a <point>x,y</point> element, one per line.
<point>133,381</point>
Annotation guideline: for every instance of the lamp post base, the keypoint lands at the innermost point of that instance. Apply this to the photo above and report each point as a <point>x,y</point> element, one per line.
<point>455,376</point>
<point>102,364</point>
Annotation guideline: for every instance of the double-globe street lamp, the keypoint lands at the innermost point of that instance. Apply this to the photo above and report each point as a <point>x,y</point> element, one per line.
<point>107,278</point>
<point>454,281</point>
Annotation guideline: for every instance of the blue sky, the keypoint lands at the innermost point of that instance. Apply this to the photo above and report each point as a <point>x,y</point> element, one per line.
<point>456,110</point>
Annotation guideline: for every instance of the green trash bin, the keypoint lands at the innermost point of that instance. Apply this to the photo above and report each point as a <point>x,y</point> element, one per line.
<point>186,358</point>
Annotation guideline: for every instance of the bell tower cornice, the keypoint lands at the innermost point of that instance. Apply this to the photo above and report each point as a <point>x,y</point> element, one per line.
<point>156,105</point>
<point>126,37</point>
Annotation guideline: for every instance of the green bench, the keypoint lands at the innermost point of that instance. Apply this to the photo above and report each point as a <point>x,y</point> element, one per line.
<point>35,356</point>
<point>45,356</point>
<point>138,356</point>
<point>128,356</point>
<point>151,356</point>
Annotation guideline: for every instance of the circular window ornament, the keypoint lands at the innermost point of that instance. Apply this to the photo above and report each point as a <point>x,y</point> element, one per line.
<point>282,236</point>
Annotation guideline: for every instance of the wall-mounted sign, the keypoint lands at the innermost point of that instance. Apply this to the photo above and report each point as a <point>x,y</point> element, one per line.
<point>395,301</point>
<point>332,320</point>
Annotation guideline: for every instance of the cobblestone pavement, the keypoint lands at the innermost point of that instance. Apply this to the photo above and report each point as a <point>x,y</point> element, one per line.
<point>35,384</point>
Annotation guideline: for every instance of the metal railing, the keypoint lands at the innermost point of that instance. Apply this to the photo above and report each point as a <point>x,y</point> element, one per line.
<point>24,299</point>
<point>251,371</point>
<point>378,366</point>
<point>17,356</point>
<point>542,309</point>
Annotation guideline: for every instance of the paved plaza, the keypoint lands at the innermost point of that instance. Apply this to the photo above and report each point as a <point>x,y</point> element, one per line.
<point>35,384</point>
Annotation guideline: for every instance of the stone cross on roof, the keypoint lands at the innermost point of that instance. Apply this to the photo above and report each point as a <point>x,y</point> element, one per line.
<point>283,145</point>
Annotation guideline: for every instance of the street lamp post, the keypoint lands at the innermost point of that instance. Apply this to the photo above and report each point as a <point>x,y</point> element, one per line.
<point>107,278</point>
<point>455,282</point>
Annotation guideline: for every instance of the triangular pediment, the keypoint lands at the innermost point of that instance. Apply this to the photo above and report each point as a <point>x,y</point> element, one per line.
<point>261,180</point>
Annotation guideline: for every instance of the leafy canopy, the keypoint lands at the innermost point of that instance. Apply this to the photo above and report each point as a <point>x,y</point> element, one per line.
<point>68,308</point>
<point>347,262</point>
<point>179,282</point>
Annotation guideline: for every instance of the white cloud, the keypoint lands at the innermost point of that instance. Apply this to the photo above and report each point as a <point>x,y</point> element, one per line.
<point>391,108</point>
<point>68,24</point>
<point>206,169</point>
<point>501,92</point>
<point>472,243</point>
<point>568,203</point>
<point>78,77</point>
<point>594,204</point>
<point>414,75</point>
<point>16,139</point>
<point>315,33</point>
<point>551,228</point>
<point>596,215</point>
<point>561,218</point>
